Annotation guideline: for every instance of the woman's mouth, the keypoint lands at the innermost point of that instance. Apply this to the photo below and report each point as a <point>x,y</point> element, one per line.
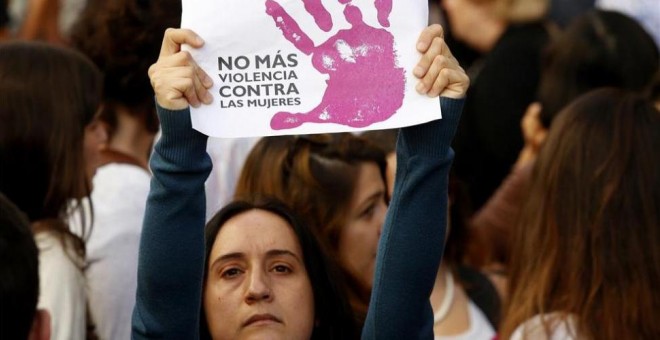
<point>259,319</point>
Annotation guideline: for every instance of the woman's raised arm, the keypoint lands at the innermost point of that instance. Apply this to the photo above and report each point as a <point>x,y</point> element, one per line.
<point>171,259</point>
<point>412,240</point>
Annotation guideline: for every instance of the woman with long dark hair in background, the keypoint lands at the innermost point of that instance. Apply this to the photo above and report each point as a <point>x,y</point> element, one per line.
<point>49,142</point>
<point>585,261</point>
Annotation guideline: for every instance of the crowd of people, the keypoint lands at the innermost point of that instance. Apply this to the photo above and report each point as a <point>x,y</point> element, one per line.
<point>531,210</point>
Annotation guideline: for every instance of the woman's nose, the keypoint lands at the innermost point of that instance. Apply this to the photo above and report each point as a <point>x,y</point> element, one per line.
<point>258,288</point>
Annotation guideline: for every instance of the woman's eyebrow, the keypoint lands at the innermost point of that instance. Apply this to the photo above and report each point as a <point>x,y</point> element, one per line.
<point>373,197</point>
<point>241,256</point>
<point>227,257</point>
<point>282,252</point>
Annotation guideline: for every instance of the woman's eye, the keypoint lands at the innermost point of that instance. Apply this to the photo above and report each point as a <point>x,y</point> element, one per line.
<point>281,269</point>
<point>230,273</point>
<point>367,213</point>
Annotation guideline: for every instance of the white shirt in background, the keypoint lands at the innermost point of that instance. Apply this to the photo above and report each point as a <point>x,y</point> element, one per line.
<point>228,156</point>
<point>119,198</point>
<point>480,328</point>
<point>61,287</point>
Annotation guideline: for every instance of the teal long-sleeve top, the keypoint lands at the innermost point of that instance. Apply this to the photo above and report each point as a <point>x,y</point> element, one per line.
<point>171,259</point>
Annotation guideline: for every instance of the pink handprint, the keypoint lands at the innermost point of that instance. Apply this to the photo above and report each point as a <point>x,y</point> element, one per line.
<point>365,84</point>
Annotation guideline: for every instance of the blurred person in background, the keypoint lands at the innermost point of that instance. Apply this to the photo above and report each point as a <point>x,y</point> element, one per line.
<point>122,38</point>
<point>600,48</point>
<point>510,35</point>
<point>49,152</point>
<point>45,20</point>
<point>585,261</point>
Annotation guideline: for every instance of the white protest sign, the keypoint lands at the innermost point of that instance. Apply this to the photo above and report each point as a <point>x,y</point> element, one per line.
<point>284,67</point>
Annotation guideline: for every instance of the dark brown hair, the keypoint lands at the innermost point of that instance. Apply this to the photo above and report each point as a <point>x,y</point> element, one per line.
<point>587,242</point>
<point>315,176</point>
<point>598,49</point>
<point>384,139</point>
<point>48,95</point>
<point>123,38</point>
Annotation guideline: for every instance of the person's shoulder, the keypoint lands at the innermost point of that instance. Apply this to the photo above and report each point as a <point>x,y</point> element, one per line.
<point>53,250</point>
<point>121,175</point>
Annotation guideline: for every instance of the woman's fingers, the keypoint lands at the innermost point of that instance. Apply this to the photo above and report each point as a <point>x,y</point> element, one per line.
<point>201,93</point>
<point>182,64</point>
<point>439,63</point>
<point>451,83</point>
<point>206,80</point>
<point>438,70</point>
<point>175,37</point>
<point>430,45</point>
<point>426,37</point>
<point>176,78</point>
<point>194,90</point>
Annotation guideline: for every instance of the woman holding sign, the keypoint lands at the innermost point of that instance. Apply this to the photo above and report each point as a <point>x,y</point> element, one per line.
<point>255,280</point>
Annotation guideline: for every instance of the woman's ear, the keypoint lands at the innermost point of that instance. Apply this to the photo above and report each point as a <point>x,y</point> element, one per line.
<point>40,326</point>
<point>533,130</point>
<point>99,131</point>
<point>539,137</point>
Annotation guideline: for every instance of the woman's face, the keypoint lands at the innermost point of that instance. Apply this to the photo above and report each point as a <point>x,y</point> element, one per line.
<point>463,16</point>
<point>358,241</point>
<point>257,285</point>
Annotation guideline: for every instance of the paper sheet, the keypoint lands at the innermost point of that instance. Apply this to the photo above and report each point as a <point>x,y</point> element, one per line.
<point>285,67</point>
